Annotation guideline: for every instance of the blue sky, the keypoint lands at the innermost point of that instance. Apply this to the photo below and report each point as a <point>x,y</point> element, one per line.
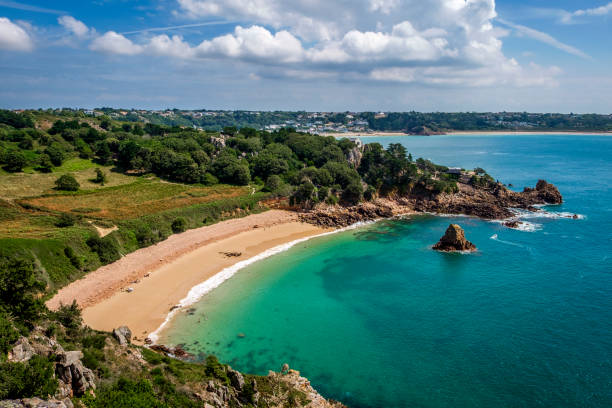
<point>426,55</point>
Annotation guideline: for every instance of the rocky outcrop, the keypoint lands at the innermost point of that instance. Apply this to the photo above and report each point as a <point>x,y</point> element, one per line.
<point>338,216</point>
<point>354,156</point>
<point>454,240</point>
<point>37,403</point>
<point>493,203</point>
<point>123,335</point>
<point>294,381</point>
<point>74,378</point>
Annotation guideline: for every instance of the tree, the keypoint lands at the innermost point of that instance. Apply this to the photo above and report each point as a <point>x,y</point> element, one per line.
<point>65,220</point>
<point>103,151</point>
<point>179,225</point>
<point>273,183</point>
<point>55,153</point>
<point>44,163</point>
<point>19,289</point>
<point>15,161</point>
<point>100,176</point>
<point>352,194</point>
<point>67,182</point>
<point>305,194</point>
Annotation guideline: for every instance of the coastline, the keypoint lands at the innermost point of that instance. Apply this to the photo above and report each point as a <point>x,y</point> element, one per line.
<point>163,276</point>
<point>469,133</point>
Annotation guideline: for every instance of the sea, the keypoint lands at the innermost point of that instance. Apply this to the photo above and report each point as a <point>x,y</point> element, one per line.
<point>373,317</point>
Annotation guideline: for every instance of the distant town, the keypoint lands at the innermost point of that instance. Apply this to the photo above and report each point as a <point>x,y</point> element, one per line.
<point>357,122</point>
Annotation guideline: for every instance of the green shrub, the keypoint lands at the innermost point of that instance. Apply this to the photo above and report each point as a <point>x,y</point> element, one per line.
<point>44,163</point>
<point>69,315</point>
<point>100,177</point>
<point>65,220</point>
<point>215,369</point>
<point>106,248</point>
<point>15,161</point>
<point>72,256</point>
<point>32,379</point>
<point>273,183</point>
<point>179,225</point>
<point>352,194</point>
<point>67,182</point>
<point>19,289</point>
<point>8,335</point>
<point>126,394</point>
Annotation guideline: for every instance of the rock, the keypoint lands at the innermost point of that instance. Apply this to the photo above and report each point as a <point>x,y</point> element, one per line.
<point>512,224</point>
<point>148,340</point>
<point>236,379</point>
<point>123,335</point>
<point>454,240</point>
<point>36,403</point>
<point>71,371</point>
<point>285,368</point>
<point>21,352</point>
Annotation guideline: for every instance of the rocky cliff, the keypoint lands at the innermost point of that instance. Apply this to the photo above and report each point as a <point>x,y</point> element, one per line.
<point>489,202</point>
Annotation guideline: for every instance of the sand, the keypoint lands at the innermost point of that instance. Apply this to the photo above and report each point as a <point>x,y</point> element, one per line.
<point>163,274</point>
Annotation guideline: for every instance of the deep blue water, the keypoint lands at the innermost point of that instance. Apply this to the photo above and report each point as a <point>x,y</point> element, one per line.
<point>375,318</point>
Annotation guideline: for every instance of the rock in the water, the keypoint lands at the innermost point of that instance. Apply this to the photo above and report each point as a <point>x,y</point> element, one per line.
<point>454,240</point>
<point>123,335</point>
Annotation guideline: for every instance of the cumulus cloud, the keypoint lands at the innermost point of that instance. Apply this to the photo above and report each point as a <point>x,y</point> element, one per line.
<point>113,43</point>
<point>74,26</point>
<point>13,37</point>
<point>429,41</point>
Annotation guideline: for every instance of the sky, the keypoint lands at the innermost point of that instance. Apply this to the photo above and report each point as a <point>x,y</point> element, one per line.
<point>314,55</point>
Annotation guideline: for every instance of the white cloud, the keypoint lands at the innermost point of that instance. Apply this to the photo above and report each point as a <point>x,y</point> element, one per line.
<point>74,26</point>
<point>545,38</point>
<point>13,37</point>
<point>425,41</point>
<point>596,11</point>
<point>113,43</point>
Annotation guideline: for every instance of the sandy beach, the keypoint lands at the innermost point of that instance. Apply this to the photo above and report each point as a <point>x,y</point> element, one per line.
<point>163,274</point>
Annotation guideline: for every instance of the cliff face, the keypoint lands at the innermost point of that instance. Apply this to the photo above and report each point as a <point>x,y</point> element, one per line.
<point>485,202</point>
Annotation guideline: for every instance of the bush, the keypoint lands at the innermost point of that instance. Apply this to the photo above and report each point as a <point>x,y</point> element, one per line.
<point>106,248</point>
<point>179,225</point>
<point>56,154</point>
<point>44,163</point>
<point>352,194</point>
<point>67,182</point>
<point>100,176</point>
<point>19,289</point>
<point>8,335</point>
<point>69,315</point>
<point>33,379</point>
<point>126,394</point>
<point>72,256</point>
<point>273,183</point>
<point>15,161</point>
<point>66,220</point>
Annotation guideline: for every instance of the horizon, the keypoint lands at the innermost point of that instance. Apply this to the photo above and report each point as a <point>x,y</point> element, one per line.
<point>334,56</point>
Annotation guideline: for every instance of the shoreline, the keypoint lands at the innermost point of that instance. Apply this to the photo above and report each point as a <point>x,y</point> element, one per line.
<point>164,275</point>
<point>470,133</point>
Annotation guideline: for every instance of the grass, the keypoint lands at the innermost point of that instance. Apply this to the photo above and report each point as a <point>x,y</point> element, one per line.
<point>21,185</point>
<point>142,197</point>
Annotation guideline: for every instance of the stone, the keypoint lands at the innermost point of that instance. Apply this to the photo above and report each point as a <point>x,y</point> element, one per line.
<point>454,240</point>
<point>123,335</point>
<point>236,379</point>
<point>71,371</point>
<point>21,352</point>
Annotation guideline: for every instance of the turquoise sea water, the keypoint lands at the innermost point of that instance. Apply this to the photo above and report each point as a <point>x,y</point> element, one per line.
<point>375,318</point>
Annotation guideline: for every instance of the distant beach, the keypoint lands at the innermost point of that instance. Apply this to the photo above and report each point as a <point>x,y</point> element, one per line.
<point>161,275</point>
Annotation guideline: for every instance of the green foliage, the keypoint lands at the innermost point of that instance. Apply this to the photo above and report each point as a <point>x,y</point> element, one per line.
<point>100,176</point>
<point>69,315</point>
<point>106,248</point>
<point>126,394</point>
<point>67,182</point>
<point>8,335</point>
<point>16,120</point>
<point>179,225</point>
<point>215,369</point>
<point>44,163</point>
<point>31,379</point>
<point>19,289</point>
<point>73,257</point>
<point>352,194</point>
<point>56,154</point>
<point>14,161</point>
<point>66,220</point>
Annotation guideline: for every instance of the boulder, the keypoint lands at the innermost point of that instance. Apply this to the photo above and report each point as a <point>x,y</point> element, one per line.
<point>123,335</point>
<point>236,379</point>
<point>21,352</point>
<point>71,371</point>
<point>454,240</point>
